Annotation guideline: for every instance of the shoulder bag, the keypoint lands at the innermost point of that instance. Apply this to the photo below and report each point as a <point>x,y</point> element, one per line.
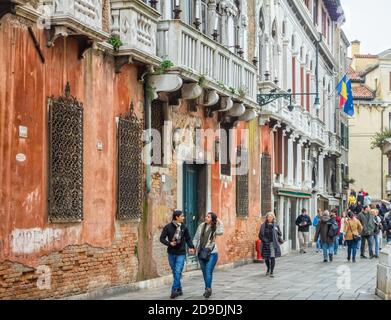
<point>356,238</point>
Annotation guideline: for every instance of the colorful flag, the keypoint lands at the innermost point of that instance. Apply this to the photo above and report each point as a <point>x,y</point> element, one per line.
<point>344,89</point>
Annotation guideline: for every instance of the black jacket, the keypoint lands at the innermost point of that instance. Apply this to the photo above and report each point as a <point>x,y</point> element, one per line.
<point>300,219</point>
<point>167,236</point>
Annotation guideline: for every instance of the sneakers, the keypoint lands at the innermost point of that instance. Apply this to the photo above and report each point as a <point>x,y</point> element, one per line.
<point>363,257</point>
<point>371,257</point>
<point>267,272</point>
<point>325,260</point>
<point>376,256</point>
<point>271,275</point>
<point>207,293</point>
<point>180,292</point>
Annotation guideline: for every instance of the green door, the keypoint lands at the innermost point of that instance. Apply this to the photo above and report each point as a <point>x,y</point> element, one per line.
<point>190,203</point>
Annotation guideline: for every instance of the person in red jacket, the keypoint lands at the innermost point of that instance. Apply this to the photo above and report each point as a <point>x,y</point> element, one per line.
<point>338,219</point>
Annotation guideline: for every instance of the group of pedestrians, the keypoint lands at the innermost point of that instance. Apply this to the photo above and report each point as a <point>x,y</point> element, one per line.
<point>359,227</point>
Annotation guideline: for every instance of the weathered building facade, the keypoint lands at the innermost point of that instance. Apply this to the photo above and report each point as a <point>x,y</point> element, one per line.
<point>114,113</point>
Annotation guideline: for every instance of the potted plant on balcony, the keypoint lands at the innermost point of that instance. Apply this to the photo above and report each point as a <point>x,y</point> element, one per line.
<point>116,42</point>
<point>243,91</point>
<point>380,138</point>
<point>162,81</point>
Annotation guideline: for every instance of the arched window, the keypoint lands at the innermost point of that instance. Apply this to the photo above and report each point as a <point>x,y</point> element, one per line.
<point>293,42</point>
<point>284,29</point>
<point>274,30</point>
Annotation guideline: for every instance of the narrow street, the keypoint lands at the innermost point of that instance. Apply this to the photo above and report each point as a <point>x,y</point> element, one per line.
<point>298,277</point>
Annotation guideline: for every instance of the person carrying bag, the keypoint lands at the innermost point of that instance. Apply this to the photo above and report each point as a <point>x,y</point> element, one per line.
<point>205,244</point>
<point>352,231</point>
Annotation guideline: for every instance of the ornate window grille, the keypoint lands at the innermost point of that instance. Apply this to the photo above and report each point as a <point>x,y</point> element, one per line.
<point>242,204</point>
<point>65,159</point>
<point>129,201</point>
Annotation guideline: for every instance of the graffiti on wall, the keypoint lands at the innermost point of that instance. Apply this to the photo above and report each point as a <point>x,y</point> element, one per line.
<point>27,241</point>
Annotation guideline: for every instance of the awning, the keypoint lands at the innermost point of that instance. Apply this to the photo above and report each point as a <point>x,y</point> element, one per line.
<point>331,200</point>
<point>294,193</point>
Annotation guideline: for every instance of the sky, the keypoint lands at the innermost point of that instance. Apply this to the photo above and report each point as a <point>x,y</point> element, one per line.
<point>368,22</point>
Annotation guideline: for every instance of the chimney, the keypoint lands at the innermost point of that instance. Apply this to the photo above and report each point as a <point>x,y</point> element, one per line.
<point>355,47</point>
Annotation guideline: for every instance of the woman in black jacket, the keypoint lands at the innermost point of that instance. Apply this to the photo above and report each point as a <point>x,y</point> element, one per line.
<point>270,235</point>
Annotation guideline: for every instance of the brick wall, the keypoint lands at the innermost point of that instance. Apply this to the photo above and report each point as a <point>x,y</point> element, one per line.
<point>74,270</point>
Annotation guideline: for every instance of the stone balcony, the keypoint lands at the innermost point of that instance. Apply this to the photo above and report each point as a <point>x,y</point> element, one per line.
<point>194,54</point>
<point>298,119</point>
<point>135,23</point>
<point>74,17</point>
<point>334,145</point>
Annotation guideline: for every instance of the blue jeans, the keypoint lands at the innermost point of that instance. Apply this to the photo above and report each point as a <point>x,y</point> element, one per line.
<point>328,248</point>
<point>176,264</point>
<point>336,244</point>
<point>318,244</point>
<point>377,243</point>
<point>207,268</point>
<point>389,239</point>
<point>370,245</point>
<point>352,249</point>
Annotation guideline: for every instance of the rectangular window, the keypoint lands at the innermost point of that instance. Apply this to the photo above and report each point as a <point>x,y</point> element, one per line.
<point>204,16</point>
<point>302,85</point>
<point>129,167</point>
<point>225,150</point>
<point>157,125</point>
<point>308,89</point>
<point>65,153</point>
<point>242,184</point>
<point>390,81</point>
<point>324,23</point>
<point>293,76</point>
<point>315,12</point>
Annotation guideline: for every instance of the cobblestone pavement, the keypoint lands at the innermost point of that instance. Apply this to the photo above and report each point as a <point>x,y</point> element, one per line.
<point>297,277</point>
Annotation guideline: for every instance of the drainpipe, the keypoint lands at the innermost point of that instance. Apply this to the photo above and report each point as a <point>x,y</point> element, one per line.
<point>147,125</point>
<point>381,157</point>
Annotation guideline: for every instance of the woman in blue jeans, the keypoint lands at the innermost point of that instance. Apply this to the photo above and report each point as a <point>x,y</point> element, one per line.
<point>205,238</point>
<point>352,228</point>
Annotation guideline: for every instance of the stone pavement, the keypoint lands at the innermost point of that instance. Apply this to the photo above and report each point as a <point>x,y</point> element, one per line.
<point>297,277</point>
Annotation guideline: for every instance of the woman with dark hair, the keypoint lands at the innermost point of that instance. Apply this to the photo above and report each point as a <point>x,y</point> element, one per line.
<point>270,235</point>
<point>205,243</point>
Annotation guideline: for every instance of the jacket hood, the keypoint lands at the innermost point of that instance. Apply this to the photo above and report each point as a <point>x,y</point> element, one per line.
<point>325,218</point>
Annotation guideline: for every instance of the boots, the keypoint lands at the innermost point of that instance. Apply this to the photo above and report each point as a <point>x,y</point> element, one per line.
<point>330,257</point>
<point>208,293</point>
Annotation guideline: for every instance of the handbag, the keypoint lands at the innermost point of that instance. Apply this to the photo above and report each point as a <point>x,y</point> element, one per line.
<point>205,253</point>
<point>356,238</point>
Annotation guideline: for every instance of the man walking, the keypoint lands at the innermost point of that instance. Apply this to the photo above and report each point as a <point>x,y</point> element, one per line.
<point>368,223</point>
<point>303,221</point>
<point>175,235</point>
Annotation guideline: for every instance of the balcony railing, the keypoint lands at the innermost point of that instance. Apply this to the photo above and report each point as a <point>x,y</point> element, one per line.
<point>334,144</point>
<point>135,23</point>
<point>194,53</point>
<point>300,121</point>
<point>76,17</point>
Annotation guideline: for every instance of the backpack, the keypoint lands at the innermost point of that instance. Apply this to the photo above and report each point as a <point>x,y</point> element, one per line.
<point>333,229</point>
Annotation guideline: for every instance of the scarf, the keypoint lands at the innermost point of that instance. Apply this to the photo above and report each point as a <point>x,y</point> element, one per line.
<point>205,235</point>
<point>177,235</point>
